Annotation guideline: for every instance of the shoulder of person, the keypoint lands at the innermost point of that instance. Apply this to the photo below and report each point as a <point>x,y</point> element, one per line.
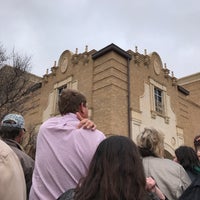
<point>152,159</point>
<point>158,162</point>
<point>22,155</point>
<point>4,149</point>
<point>51,120</point>
<point>176,168</point>
<point>171,163</point>
<point>92,132</point>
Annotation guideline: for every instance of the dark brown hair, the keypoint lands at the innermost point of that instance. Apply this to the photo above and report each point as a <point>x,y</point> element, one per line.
<point>196,142</point>
<point>187,157</point>
<point>70,100</point>
<point>9,132</point>
<point>115,173</point>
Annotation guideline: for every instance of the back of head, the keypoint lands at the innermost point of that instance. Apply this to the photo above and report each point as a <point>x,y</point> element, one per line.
<point>187,157</point>
<point>151,142</point>
<point>115,172</point>
<point>11,125</point>
<point>70,100</point>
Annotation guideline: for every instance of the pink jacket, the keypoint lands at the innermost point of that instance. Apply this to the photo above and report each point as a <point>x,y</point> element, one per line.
<point>63,155</point>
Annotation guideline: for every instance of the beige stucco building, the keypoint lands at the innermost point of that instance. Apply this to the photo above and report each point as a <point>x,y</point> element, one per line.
<point>126,92</point>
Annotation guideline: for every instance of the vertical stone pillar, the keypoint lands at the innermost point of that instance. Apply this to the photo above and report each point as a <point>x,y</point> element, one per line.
<point>110,94</point>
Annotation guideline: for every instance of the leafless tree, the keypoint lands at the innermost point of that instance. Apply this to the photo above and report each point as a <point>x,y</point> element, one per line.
<point>14,81</point>
<point>16,86</point>
<point>3,57</point>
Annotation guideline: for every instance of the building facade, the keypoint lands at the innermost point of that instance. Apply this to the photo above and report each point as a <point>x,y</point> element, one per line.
<point>126,92</point>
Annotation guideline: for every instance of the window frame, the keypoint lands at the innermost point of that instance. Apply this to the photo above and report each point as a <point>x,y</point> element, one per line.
<point>158,100</point>
<point>154,111</point>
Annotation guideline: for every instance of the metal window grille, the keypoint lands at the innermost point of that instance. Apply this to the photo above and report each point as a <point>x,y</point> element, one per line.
<point>158,95</point>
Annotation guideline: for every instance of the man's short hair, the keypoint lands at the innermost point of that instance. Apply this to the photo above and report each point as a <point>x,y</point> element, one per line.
<point>70,100</point>
<point>9,132</point>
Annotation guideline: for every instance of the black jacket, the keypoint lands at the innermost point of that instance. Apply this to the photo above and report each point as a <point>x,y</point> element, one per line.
<point>69,195</point>
<point>193,191</point>
<point>26,161</point>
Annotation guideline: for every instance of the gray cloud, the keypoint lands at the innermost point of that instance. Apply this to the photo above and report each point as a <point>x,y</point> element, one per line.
<point>44,29</point>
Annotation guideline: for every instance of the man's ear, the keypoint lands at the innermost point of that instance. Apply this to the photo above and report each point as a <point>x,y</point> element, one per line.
<point>81,108</point>
<point>19,137</point>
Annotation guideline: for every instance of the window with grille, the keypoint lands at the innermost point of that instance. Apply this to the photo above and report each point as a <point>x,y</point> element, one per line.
<point>158,97</point>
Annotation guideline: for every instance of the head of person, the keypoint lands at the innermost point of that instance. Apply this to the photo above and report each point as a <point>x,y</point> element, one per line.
<point>12,127</point>
<point>187,157</point>
<point>72,101</point>
<point>197,145</point>
<point>115,172</point>
<point>151,143</point>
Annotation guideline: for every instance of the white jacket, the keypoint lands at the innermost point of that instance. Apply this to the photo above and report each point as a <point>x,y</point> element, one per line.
<point>170,177</point>
<point>12,181</point>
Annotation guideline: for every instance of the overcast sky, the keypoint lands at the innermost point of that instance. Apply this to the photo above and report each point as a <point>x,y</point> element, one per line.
<point>43,29</point>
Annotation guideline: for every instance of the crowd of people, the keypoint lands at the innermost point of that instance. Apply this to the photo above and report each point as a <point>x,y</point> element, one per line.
<point>75,161</point>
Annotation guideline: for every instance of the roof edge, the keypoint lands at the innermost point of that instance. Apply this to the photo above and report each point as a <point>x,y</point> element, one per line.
<point>111,47</point>
<point>183,90</point>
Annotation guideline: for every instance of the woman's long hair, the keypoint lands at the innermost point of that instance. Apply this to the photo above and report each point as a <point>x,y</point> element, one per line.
<point>115,173</point>
<point>187,157</point>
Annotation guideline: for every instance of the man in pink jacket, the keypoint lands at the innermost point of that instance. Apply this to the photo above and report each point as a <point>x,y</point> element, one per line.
<point>63,151</point>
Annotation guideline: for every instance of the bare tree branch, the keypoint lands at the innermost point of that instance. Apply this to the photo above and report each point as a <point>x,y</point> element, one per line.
<point>14,81</point>
<point>3,56</point>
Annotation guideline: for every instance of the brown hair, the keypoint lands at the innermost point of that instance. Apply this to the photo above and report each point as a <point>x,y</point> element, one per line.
<point>70,100</point>
<point>187,157</point>
<point>115,172</point>
<point>7,132</point>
